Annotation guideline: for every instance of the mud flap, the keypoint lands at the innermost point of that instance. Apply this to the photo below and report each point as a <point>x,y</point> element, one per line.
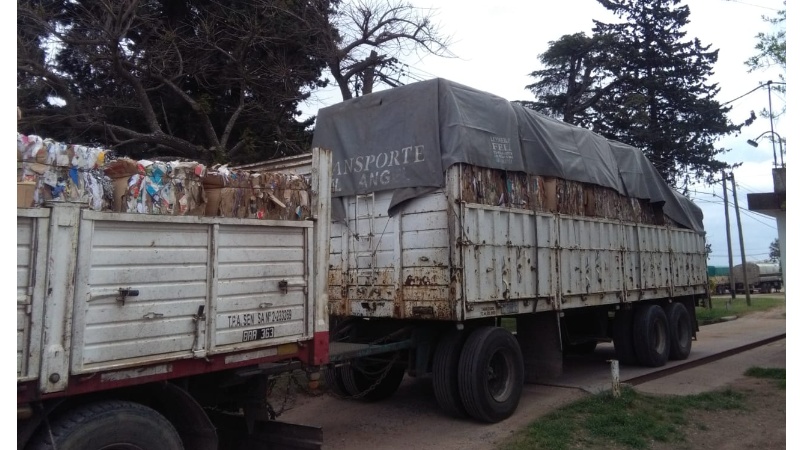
<point>267,435</point>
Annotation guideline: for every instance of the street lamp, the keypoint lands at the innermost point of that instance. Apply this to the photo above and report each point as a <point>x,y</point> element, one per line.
<point>754,143</point>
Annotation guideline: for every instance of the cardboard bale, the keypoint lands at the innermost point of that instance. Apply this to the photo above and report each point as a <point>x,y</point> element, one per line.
<point>120,168</point>
<point>120,194</point>
<point>213,180</point>
<point>25,192</point>
<point>551,194</point>
<point>589,202</point>
<point>212,202</point>
<point>646,212</point>
<point>607,203</point>
<point>234,202</point>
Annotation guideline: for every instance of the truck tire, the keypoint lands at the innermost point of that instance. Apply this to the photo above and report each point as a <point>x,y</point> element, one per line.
<point>651,336</point>
<point>490,374</point>
<point>108,425</point>
<point>445,373</point>
<point>680,331</point>
<point>356,381</point>
<point>334,381</point>
<point>623,337</point>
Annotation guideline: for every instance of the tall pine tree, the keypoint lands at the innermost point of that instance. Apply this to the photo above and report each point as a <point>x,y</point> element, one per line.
<point>651,89</point>
<point>574,79</point>
<point>665,103</point>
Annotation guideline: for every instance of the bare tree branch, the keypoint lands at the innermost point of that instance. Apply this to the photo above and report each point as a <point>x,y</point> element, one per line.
<point>374,33</point>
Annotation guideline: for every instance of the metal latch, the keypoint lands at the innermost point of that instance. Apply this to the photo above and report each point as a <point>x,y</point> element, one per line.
<point>125,293</point>
<point>283,285</point>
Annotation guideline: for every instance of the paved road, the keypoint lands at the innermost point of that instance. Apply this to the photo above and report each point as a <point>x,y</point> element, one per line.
<point>412,420</point>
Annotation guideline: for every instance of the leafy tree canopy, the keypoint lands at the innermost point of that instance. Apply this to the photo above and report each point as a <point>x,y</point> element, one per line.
<point>640,81</point>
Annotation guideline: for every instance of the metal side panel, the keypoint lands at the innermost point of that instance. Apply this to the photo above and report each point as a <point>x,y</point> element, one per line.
<point>486,255</point>
<point>591,261</point>
<point>510,259</point>
<point>261,287</point>
<point>398,266</point>
<point>337,270</point>
<point>424,256</point>
<point>165,265</point>
<point>688,258</point>
<point>370,276</point>
<point>547,261</point>
<point>654,257</point>
<point>500,258</point>
<point>32,243</point>
<point>631,261</point>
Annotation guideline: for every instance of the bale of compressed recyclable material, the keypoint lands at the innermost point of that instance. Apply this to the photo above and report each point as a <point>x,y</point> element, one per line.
<point>62,172</point>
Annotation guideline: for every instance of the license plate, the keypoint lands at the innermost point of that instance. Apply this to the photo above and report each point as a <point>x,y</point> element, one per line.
<point>258,334</point>
<point>509,308</point>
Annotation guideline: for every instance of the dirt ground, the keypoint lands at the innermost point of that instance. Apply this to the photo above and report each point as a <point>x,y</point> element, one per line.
<point>412,419</point>
<point>761,425</point>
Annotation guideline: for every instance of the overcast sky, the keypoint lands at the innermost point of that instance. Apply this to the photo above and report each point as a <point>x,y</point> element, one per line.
<point>497,44</point>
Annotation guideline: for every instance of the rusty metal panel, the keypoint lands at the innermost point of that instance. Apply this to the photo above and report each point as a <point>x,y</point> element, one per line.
<point>337,286</point>
<point>631,259</point>
<point>378,262</point>
<point>688,258</point>
<point>521,272</point>
<point>486,259</point>
<point>591,257</point>
<point>654,257</point>
<point>500,254</point>
<point>547,259</point>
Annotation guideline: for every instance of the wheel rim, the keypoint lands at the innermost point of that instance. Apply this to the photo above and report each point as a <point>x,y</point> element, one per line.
<point>659,336</point>
<point>499,375</point>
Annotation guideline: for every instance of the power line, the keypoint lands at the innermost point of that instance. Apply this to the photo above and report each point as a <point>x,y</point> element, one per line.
<point>756,219</point>
<point>751,214</point>
<point>751,4</point>
<point>750,92</point>
<point>420,70</point>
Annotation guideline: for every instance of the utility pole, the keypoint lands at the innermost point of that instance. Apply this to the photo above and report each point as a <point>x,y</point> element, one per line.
<point>728,233</point>
<point>741,240</point>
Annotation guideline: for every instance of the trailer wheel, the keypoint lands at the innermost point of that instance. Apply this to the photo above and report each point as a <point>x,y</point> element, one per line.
<point>364,375</point>
<point>652,336</point>
<point>680,331</point>
<point>108,425</point>
<point>490,374</point>
<point>334,380</point>
<point>623,337</point>
<point>445,373</point>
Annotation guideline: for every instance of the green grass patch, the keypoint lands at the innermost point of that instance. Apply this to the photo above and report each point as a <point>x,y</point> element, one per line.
<point>738,307</point>
<point>509,323</point>
<point>777,374</point>
<point>632,421</point>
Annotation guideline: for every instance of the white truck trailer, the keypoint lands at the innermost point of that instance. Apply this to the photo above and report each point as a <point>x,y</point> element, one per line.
<point>156,332</point>
<point>458,214</point>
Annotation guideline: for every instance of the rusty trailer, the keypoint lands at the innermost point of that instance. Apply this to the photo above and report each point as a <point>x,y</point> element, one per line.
<point>458,216</point>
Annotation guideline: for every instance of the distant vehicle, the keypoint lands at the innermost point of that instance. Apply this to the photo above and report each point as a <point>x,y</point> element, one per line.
<point>764,278</point>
